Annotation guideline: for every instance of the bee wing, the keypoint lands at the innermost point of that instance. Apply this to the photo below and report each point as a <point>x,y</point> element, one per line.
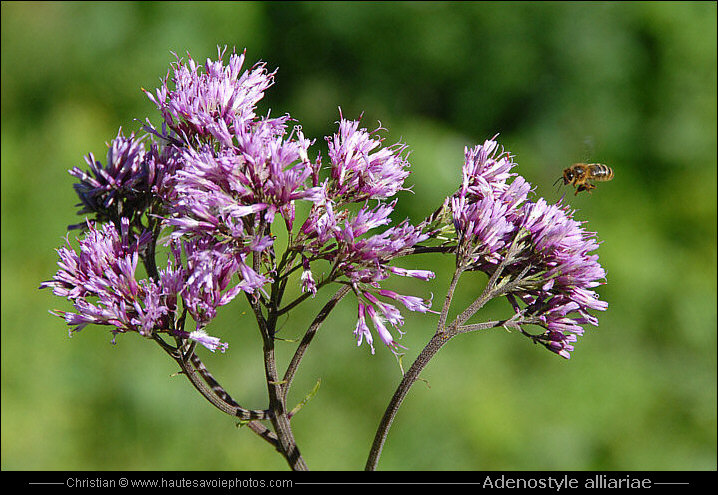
<point>589,147</point>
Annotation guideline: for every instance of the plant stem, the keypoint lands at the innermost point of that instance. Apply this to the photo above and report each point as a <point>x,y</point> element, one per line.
<point>215,394</point>
<point>275,388</point>
<point>449,297</point>
<point>436,342</point>
<point>197,378</point>
<point>309,335</point>
<point>443,334</point>
<point>280,419</point>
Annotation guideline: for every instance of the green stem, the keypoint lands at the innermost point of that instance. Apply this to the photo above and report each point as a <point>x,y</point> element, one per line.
<point>309,335</point>
<point>443,334</point>
<point>436,342</point>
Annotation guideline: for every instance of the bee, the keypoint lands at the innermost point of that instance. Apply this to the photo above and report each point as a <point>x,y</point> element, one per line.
<point>579,175</point>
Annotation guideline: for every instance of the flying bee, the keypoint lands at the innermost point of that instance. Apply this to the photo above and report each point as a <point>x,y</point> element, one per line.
<point>579,175</point>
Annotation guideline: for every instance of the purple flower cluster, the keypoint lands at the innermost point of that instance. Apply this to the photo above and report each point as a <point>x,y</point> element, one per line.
<point>362,170</point>
<point>490,214</point>
<point>100,280</point>
<point>357,173</point>
<point>208,100</point>
<point>561,249</point>
<point>379,312</point>
<point>217,178</point>
<point>105,269</point>
<point>210,270</point>
<point>487,209</point>
<point>119,187</point>
<point>218,193</point>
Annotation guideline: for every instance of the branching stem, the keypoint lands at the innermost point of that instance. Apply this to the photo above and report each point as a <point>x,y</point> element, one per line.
<point>495,287</point>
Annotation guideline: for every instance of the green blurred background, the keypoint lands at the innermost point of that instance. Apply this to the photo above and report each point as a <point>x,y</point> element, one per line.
<point>632,85</point>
